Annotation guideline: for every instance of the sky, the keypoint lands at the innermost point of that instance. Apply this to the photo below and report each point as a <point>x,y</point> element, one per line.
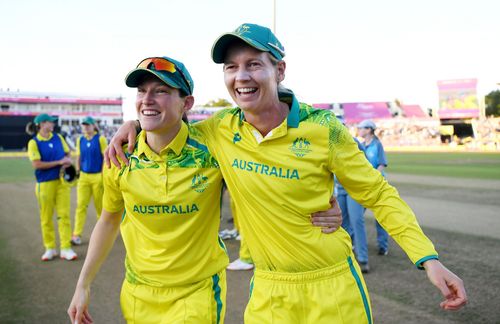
<point>336,51</point>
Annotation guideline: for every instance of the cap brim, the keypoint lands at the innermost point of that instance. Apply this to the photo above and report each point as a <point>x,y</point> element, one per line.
<point>220,46</point>
<point>51,119</point>
<point>135,77</point>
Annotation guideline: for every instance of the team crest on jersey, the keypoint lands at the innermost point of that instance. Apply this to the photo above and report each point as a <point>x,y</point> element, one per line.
<point>51,145</point>
<point>300,147</point>
<point>236,138</point>
<point>88,144</point>
<point>199,183</point>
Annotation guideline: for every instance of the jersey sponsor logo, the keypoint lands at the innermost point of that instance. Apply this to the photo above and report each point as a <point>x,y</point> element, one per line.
<point>88,144</point>
<point>268,170</point>
<point>51,145</point>
<point>236,138</point>
<point>300,147</point>
<point>165,209</point>
<point>199,183</point>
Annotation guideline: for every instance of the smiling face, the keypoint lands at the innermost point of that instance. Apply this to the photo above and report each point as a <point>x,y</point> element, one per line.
<point>252,78</point>
<point>160,107</point>
<point>88,129</point>
<point>47,127</point>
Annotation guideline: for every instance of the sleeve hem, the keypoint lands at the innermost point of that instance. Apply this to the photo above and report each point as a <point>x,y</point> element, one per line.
<point>419,263</point>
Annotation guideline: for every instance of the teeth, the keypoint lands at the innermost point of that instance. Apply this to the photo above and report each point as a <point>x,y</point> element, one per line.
<point>246,90</point>
<point>150,112</point>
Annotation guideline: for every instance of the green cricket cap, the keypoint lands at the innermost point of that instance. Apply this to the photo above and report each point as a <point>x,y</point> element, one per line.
<point>88,120</point>
<point>43,118</point>
<point>172,72</point>
<point>259,37</point>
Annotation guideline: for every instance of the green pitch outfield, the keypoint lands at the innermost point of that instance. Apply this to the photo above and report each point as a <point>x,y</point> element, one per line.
<point>457,165</point>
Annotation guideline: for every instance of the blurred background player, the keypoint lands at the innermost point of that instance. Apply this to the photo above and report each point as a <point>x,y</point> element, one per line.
<point>89,149</point>
<point>244,260</point>
<point>374,152</point>
<point>353,221</point>
<point>49,153</point>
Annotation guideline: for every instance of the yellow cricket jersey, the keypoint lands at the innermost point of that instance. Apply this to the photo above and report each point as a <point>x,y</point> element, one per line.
<point>34,153</point>
<point>277,181</point>
<point>172,212</point>
<point>103,143</point>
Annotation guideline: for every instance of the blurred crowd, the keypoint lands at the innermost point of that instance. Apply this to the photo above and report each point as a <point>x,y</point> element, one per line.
<point>487,133</point>
<point>72,132</point>
<point>406,132</point>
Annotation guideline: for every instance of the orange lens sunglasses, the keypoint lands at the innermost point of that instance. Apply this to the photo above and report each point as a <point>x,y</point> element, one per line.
<point>160,64</point>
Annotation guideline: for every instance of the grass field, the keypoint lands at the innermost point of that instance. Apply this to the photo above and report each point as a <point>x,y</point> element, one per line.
<point>16,170</point>
<point>460,165</point>
<point>35,291</point>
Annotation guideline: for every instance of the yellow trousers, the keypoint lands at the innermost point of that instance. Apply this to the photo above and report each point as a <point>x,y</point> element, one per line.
<point>54,195</point>
<point>332,295</point>
<point>89,185</point>
<point>203,302</point>
<point>244,251</point>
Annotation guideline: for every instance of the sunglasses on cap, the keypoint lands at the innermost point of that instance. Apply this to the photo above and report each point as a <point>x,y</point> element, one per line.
<point>159,64</point>
<point>163,65</point>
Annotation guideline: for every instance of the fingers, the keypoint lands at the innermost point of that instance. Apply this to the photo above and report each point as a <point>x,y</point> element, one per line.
<point>112,155</point>
<point>87,319</point>
<point>106,157</point>
<point>329,230</point>
<point>131,142</point>
<point>444,289</point>
<point>327,213</point>
<point>330,219</point>
<point>459,296</point>
<point>121,155</point>
<point>72,313</point>
<point>78,315</point>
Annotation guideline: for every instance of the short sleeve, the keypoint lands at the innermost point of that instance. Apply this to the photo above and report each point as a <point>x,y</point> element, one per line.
<point>112,200</point>
<point>78,140</point>
<point>33,152</point>
<point>64,144</point>
<point>103,143</point>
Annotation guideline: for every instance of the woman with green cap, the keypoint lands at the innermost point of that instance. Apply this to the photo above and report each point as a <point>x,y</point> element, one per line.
<point>278,158</point>
<point>162,200</point>
<point>89,150</point>
<point>48,153</point>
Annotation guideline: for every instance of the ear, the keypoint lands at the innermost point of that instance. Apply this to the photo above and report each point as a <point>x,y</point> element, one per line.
<point>281,66</point>
<point>188,103</point>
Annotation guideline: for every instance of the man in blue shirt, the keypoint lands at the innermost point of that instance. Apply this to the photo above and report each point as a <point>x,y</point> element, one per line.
<point>353,221</point>
<point>375,154</point>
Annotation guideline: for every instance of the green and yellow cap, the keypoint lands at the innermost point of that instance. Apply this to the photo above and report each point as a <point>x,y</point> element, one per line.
<point>43,118</point>
<point>88,120</point>
<point>259,37</point>
<point>172,72</point>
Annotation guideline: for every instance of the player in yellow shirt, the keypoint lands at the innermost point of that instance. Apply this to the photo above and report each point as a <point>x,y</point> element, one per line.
<point>278,158</point>
<point>162,203</point>
<point>49,153</point>
<point>89,149</point>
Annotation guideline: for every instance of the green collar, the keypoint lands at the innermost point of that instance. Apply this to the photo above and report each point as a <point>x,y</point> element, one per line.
<point>286,96</point>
